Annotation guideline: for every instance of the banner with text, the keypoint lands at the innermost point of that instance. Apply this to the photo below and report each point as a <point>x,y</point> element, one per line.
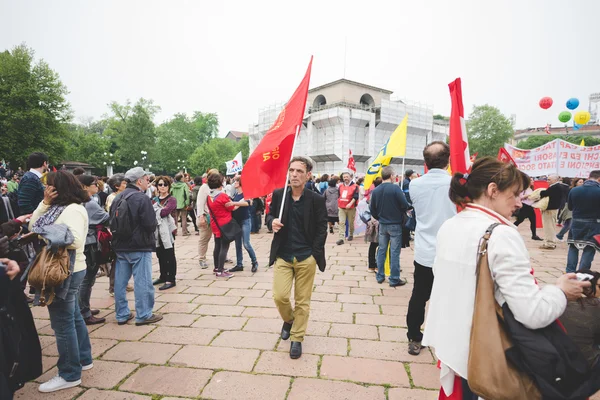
<point>557,157</point>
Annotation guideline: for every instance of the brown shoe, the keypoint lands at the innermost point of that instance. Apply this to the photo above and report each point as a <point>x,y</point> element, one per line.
<point>91,320</point>
<point>154,318</point>
<point>95,312</point>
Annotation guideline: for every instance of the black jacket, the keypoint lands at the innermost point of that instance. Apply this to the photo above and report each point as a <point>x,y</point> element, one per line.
<point>556,194</point>
<point>315,224</point>
<point>19,341</point>
<point>143,220</point>
<point>551,358</point>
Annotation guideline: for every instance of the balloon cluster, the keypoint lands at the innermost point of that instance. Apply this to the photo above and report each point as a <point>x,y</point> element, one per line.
<point>580,118</point>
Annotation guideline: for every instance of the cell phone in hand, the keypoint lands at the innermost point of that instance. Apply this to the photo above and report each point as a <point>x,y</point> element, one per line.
<point>584,277</point>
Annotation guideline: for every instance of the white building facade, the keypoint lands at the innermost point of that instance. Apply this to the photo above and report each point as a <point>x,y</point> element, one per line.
<point>344,115</point>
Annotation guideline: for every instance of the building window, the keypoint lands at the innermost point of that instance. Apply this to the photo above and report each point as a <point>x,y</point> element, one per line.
<point>320,101</point>
<point>367,100</point>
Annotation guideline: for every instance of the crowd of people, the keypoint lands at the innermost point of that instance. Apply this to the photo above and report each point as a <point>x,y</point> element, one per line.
<point>112,225</point>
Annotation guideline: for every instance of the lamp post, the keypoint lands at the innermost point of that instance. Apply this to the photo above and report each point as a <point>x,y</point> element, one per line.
<point>109,163</point>
<point>144,156</point>
<point>182,165</point>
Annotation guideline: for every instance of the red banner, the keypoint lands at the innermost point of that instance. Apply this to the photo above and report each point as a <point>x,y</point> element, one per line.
<point>266,168</point>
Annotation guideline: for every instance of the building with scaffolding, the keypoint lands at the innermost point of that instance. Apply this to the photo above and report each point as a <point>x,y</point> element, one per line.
<point>345,115</point>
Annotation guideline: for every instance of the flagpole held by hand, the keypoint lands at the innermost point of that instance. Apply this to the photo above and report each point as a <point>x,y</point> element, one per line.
<point>287,177</point>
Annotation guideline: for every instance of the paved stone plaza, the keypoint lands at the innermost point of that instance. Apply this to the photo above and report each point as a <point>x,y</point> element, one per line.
<point>219,339</point>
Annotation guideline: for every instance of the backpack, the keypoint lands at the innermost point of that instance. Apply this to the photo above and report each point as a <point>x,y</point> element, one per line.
<point>121,222</point>
<point>49,270</point>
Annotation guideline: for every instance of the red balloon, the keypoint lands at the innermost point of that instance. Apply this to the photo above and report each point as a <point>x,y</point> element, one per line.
<point>546,102</point>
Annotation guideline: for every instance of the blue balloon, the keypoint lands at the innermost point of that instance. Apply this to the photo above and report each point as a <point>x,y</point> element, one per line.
<point>572,103</point>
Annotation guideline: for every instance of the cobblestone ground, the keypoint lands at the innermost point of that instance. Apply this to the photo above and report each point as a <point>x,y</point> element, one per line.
<point>219,339</point>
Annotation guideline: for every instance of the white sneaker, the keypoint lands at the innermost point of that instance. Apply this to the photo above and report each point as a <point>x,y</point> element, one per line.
<point>87,367</point>
<point>57,383</point>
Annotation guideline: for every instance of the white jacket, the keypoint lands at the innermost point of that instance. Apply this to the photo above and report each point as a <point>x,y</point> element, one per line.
<point>164,229</point>
<point>450,315</point>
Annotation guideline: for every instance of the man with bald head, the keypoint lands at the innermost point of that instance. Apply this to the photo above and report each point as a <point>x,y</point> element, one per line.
<point>549,215</point>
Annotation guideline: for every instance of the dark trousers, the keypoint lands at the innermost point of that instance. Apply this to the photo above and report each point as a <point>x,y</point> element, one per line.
<point>85,290</point>
<point>256,222</point>
<point>373,255</point>
<point>167,263</point>
<point>527,212</point>
<point>420,296</point>
<point>220,253</point>
<point>192,215</point>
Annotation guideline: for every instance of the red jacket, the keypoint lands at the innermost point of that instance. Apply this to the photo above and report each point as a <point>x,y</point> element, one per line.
<point>219,211</point>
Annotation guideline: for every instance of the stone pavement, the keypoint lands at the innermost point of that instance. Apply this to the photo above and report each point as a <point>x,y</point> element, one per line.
<point>219,339</point>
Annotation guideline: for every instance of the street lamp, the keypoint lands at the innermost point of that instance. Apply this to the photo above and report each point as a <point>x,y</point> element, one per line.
<point>109,163</point>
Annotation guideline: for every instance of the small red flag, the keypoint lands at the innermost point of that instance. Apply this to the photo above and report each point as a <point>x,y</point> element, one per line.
<point>505,157</point>
<point>459,143</point>
<point>266,168</point>
<point>351,164</point>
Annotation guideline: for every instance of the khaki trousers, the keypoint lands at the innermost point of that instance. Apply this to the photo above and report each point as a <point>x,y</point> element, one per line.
<point>348,214</point>
<point>182,214</point>
<point>302,275</point>
<point>549,221</point>
<point>205,235</point>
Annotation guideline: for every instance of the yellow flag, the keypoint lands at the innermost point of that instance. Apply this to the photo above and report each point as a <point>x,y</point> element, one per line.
<point>394,147</point>
<point>582,142</point>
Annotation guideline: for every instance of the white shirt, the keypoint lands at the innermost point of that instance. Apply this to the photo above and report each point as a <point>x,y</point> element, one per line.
<point>450,316</point>
<point>429,196</point>
<point>36,172</point>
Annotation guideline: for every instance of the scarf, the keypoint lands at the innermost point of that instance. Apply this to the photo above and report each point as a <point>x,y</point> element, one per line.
<point>48,218</point>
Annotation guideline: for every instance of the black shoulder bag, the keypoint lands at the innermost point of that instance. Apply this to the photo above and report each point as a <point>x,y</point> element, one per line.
<point>230,230</point>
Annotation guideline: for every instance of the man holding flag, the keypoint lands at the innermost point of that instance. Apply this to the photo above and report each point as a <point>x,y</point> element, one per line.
<point>297,216</point>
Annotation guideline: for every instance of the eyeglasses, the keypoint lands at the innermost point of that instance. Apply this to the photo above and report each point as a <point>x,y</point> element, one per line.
<point>161,184</point>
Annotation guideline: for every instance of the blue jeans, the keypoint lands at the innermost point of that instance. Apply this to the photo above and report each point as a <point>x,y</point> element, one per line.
<point>391,234</point>
<point>140,264</point>
<point>72,339</point>
<point>565,229</point>
<point>586,258</point>
<point>245,238</point>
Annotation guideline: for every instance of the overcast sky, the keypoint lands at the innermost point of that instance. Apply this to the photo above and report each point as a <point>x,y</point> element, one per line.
<point>235,57</point>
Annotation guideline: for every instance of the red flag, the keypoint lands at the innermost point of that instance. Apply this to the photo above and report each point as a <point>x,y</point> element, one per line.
<point>547,129</point>
<point>505,157</point>
<point>351,165</point>
<point>459,143</point>
<point>266,168</point>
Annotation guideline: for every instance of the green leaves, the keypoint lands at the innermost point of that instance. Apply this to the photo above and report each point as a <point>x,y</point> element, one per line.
<point>488,129</point>
<point>35,116</point>
<point>33,108</point>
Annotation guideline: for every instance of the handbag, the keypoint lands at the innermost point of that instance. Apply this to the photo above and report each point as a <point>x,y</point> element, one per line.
<point>490,374</point>
<point>230,230</point>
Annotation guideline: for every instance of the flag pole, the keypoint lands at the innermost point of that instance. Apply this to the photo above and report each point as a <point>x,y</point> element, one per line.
<point>287,177</point>
<point>402,179</point>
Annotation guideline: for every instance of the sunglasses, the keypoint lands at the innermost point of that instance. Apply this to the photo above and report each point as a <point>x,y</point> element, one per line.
<point>161,184</point>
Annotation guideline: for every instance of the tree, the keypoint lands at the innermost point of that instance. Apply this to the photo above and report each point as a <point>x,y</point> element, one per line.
<point>87,146</point>
<point>131,130</point>
<point>212,154</point>
<point>488,129</point>
<point>244,146</point>
<point>179,137</point>
<point>539,140</point>
<point>33,107</point>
